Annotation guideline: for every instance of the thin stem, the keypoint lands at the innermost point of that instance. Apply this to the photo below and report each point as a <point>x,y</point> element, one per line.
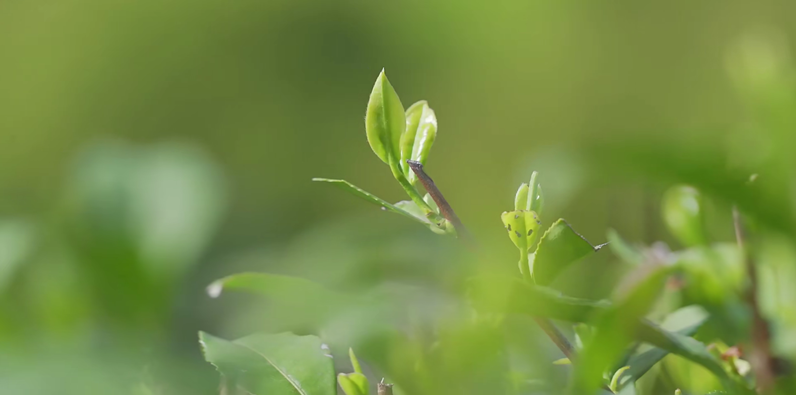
<point>444,207</point>
<point>760,355</point>
<point>384,389</point>
<point>557,337</point>
<point>525,267</point>
<point>409,188</point>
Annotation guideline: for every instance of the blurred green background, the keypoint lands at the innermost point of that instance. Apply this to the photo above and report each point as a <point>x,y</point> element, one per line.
<point>149,147</point>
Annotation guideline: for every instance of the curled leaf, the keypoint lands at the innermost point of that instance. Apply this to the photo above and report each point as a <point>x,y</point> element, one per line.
<point>535,197</point>
<point>521,199</point>
<point>413,114</point>
<point>419,136</point>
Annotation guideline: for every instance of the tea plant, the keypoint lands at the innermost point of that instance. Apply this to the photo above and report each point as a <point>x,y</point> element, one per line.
<point>615,343</point>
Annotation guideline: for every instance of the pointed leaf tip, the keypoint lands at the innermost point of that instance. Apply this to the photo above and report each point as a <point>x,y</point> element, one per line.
<point>385,120</point>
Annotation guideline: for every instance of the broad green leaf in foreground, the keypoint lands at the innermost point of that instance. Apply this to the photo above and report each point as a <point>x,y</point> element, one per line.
<point>265,364</point>
<point>559,247</point>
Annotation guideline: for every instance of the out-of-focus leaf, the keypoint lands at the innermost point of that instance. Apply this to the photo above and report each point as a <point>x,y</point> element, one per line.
<point>349,187</point>
<point>687,319</point>
<point>617,327</point>
<point>623,250</point>
<point>273,285</point>
<point>559,247</point>
<point>309,303</point>
<point>16,244</point>
<point>614,385</point>
<point>682,212</point>
<point>264,364</point>
<point>354,361</point>
<point>353,383</point>
<point>164,201</point>
<point>385,120</point>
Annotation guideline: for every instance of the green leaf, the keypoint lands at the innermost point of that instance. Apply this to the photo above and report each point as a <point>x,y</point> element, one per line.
<point>522,227</point>
<point>273,285</point>
<point>682,212</point>
<point>349,187</point>
<point>560,247</point>
<point>303,301</point>
<point>623,250</point>
<point>500,294</point>
<point>615,379</point>
<point>535,196</point>
<point>562,361</point>
<point>353,383</point>
<point>354,361</point>
<point>413,115</point>
<point>639,364</point>
<point>616,327</point>
<point>521,198</point>
<point>385,120</point>
<point>416,144</point>
<point>264,364</point>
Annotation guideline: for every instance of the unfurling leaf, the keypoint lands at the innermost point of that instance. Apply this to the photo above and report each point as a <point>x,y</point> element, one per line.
<point>418,138</point>
<point>615,379</point>
<point>522,227</point>
<point>682,213</point>
<point>521,199</point>
<point>385,120</point>
<point>535,197</point>
<point>353,383</point>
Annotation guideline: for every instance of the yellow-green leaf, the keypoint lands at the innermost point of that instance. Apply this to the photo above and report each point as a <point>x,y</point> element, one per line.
<point>385,120</point>
<point>522,226</point>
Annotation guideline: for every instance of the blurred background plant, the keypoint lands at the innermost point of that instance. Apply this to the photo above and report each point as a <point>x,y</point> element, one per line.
<point>150,148</point>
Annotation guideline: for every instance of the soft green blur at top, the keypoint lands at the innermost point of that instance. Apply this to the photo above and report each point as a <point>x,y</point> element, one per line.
<point>150,147</point>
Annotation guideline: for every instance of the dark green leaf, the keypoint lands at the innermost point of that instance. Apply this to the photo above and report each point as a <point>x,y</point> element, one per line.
<point>264,364</point>
<point>559,247</point>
